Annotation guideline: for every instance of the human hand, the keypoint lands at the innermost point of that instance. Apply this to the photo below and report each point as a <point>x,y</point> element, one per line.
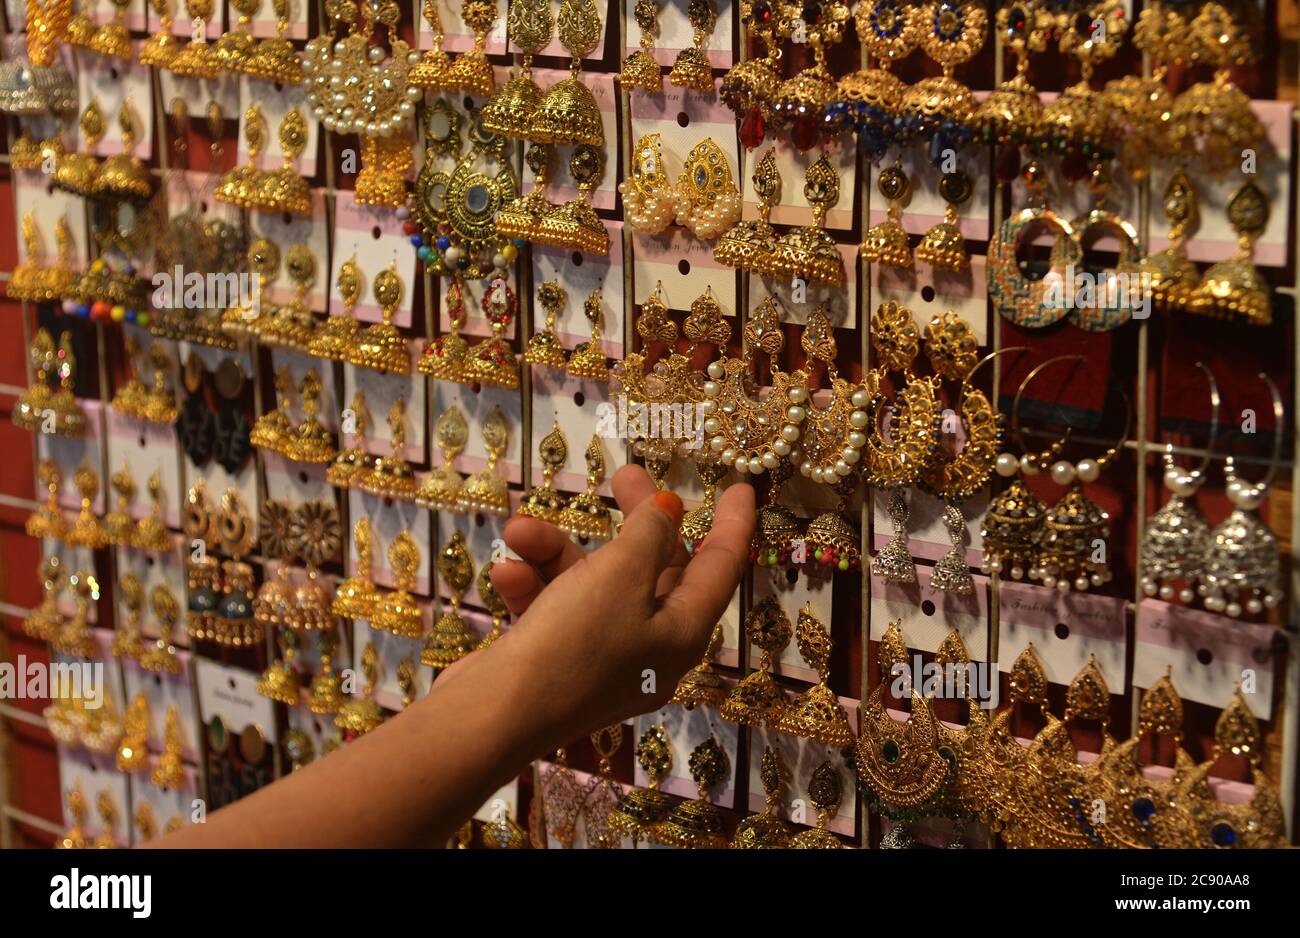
<point>607,635</point>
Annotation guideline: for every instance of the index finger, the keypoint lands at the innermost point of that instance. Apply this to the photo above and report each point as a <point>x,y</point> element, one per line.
<point>712,575</point>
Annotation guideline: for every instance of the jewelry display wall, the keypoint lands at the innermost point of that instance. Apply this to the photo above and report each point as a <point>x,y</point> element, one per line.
<point>609,227</point>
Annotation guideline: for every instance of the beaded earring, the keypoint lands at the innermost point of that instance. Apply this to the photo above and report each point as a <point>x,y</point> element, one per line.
<point>586,516</point>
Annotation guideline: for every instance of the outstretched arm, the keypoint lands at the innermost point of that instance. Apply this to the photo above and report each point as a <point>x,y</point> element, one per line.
<point>587,627</point>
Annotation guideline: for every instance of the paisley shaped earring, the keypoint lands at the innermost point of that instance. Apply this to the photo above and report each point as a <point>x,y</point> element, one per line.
<point>817,713</point>
<point>529,25</point>
<point>757,700</point>
<point>543,501</point>
<point>766,831</point>
<point>441,489</point>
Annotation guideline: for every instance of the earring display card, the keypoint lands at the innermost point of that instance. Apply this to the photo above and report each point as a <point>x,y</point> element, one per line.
<point>96,776</point>
<point>1205,655</point>
<point>113,83</point>
<point>231,694</point>
<point>198,92</point>
<point>388,519</point>
<point>266,23</point>
<point>286,231</point>
<point>799,297</point>
<point>504,802</point>
<point>684,266</point>
<point>274,108</point>
<point>33,193</point>
<point>794,594</point>
<point>102,673</point>
<point>928,615</point>
<point>294,483</point>
<point>71,453</point>
<point>484,541</point>
<point>923,207</point>
<point>477,408</point>
<point>181,805</point>
<point>458,37</point>
<point>793,208</point>
<point>580,409</point>
<point>800,758</point>
<point>1214,239</point>
<point>928,292</point>
<point>154,571</point>
<point>685,730</point>
<point>392,651</point>
<point>927,535</point>
<point>732,627</point>
<point>1066,629</point>
<point>581,275</point>
<point>582,780</point>
<point>676,34</point>
<point>165,691</point>
<point>381,392</point>
<point>370,236</point>
<point>141,449</point>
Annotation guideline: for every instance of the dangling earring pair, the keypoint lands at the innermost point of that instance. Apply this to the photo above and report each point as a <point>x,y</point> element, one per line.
<point>585,515</point>
<point>704,199</point>
<point>588,359</point>
<point>1064,546</point>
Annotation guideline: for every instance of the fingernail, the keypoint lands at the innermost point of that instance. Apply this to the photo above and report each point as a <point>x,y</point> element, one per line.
<point>671,505</point>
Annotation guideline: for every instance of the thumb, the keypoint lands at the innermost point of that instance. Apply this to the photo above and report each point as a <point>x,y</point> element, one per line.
<point>648,542</point>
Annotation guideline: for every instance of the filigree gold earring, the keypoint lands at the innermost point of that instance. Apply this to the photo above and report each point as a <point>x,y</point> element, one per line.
<point>74,838</point>
<point>493,360</point>
<point>151,532</point>
<point>543,501</point>
<point>692,70</point>
<point>395,611</point>
<point>361,714</point>
<point>825,791</point>
<point>85,530</point>
<point>354,461</point>
<point>640,812</point>
<point>391,476</point>
<point>816,714</point>
<point>757,700</point>
<point>487,490</point>
<point>133,751</point>
<point>799,102</point>
<point>310,441</point>
<point>451,638</point>
<point>380,345</point>
<point>956,478</point>
<point>355,597</point>
<point>545,348</point>
<point>441,489</point>
<point>339,333</point>
<point>641,69</point>
<point>325,695</point>
<point>751,245</point>
<point>161,656</point>
<point>698,824</point>
<point>766,831</point>
<point>809,252</point>
<point>1066,550</point>
<point>169,772</point>
<point>529,24</point>
<point>561,800</point>
<point>1241,558</point>
<point>601,796</point>
<point>496,606</point>
<point>445,357</point>
<point>471,72</point>
<point>588,358</point>
<point>568,112</point>
<point>432,71</point>
<point>650,201</point>
<point>107,839</point>
<point>43,621</point>
<point>586,516</point>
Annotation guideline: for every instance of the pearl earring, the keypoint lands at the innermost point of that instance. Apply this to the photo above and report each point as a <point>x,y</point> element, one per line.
<point>1241,557</point>
<point>1174,543</point>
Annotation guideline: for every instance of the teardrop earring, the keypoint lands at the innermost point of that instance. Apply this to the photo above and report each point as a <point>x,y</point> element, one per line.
<point>1241,560</point>
<point>545,348</point>
<point>543,501</point>
<point>487,490</point>
<point>766,831</point>
<point>1176,536</point>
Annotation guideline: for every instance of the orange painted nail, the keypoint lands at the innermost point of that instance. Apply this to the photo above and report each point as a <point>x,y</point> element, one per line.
<point>671,505</point>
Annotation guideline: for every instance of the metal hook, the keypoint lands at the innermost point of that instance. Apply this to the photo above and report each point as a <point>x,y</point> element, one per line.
<point>1015,405</point>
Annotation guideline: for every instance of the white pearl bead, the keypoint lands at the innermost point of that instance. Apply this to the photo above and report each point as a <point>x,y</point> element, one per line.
<point>1049,581</point>
<point>858,419</point>
<point>1062,473</point>
<point>717,443</point>
<point>850,455</point>
<point>755,465</point>
<point>1088,470</point>
<point>857,439</point>
<point>1081,584</point>
<point>716,371</point>
<point>805,468</point>
<point>816,474</point>
<point>728,455</point>
<point>781,448</point>
<point>1149,587</point>
<point>742,465</point>
<point>798,394</point>
<point>1017,573</point>
<point>1028,467</point>
<point>708,407</point>
<point>1254,606</point>
<point>1063,585</point>
<point>711,389</point>
<point>1166,592</point>
<point>770,461</point>
<point>789,433</point>
<point>842,468</point>
<point>795,414</point>
<point>1233,610</point>
<point>1186,595</point>
<point>1007,465</point>
<point>712,425</point>
<point>860,398</point>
